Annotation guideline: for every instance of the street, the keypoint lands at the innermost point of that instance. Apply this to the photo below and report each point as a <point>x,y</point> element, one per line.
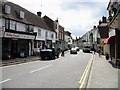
<point>64,72</point>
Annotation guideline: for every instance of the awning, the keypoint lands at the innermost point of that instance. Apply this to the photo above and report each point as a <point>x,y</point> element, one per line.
<point>109,40</point>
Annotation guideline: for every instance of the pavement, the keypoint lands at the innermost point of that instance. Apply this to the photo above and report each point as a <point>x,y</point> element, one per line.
<point>19,60</point>
<point>103,74</point>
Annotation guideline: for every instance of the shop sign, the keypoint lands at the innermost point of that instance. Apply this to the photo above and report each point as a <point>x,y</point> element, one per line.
<point>16,35</point>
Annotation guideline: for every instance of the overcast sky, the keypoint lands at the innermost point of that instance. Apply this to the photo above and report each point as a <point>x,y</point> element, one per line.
<point>76,16</point>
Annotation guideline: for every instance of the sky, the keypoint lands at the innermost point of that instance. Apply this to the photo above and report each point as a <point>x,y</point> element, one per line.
<point>76,16</point>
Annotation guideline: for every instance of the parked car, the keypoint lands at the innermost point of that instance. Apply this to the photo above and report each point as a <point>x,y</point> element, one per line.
<point>73,51</point>
<point>6,54</point>
<point>86,48</point>
<point>49,54</point>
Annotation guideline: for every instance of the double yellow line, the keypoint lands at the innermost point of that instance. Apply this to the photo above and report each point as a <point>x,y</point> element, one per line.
<point>85,73</point>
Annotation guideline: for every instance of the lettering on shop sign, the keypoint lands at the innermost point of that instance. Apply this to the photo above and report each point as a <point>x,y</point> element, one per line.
<point>15,35</point>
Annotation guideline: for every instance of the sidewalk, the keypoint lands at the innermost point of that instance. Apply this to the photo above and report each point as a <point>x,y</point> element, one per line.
<point>103,74</point>
<point>19,60</point>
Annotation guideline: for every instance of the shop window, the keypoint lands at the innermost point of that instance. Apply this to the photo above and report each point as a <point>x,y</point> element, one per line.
<point>7,9</point>
<point>35,44</point>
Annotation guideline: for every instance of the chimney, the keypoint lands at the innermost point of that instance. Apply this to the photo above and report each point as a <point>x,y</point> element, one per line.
<point>39,13</point>
<point>100,22</point>
<point>56,20</point>
<point>104,19</point>
<point>94,27</point>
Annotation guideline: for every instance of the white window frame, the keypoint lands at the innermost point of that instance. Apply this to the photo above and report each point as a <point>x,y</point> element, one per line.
<point>12,25</point>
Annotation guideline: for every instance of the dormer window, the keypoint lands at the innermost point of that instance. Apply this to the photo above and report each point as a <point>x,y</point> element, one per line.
<point>7,9</point>
<point>22,14</point>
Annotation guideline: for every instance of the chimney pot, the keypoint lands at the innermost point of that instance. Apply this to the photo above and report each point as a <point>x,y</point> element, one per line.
<point>39,13</point>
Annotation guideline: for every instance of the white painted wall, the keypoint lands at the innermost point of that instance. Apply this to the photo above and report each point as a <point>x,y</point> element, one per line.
<point>42,37</point>
<point>2,26</point>
<point>66,38</point>
<point>49,36</point>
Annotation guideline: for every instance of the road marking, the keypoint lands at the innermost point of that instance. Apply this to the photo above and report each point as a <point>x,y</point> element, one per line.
<point>40,69</point>
<point>83,78</point>
<point>5,80</point>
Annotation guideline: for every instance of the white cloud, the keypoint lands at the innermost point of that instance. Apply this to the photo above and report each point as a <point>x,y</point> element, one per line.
<point>78,21</point>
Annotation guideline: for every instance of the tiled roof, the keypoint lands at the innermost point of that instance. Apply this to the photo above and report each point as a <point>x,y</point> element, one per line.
<point>49,22</point>
<point>30,18</point>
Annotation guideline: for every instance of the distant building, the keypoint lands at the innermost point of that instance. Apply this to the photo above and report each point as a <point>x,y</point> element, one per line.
<point>68,40</point>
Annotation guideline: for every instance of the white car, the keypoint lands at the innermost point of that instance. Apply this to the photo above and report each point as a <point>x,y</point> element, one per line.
<point>73,51</point>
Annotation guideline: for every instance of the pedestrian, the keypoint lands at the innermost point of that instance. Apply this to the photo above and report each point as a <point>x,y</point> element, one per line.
<point>107,56</point>
<point>62,54</point>
<point>99,51</point>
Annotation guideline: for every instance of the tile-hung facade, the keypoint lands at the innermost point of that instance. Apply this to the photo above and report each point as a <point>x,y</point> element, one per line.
<point>19,26</point>
<point>61,37</point>
<point>114,29</point>
<point>51,33</point>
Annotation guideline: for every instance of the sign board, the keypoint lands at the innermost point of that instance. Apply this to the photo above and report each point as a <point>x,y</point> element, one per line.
<point>17,35</point>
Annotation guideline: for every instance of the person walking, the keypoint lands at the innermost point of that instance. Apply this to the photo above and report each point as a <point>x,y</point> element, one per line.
<point>62,53</point>
<point>99,52</point>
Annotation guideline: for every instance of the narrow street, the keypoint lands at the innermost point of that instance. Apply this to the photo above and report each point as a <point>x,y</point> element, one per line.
<point>64,72</point>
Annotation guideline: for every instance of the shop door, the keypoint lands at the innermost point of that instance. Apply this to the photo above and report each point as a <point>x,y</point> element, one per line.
<point>14,48</point>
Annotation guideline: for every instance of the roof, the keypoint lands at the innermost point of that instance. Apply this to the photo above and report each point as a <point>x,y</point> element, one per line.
<point>68,33</point>
<point>49,22</point>
<point>30,18</point>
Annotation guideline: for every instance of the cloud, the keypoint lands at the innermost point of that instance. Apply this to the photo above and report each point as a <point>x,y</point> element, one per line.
<point>76,16</point>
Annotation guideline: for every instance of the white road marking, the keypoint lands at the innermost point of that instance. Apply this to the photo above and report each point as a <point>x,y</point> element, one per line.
<point>40,69</point>
<point>5,80</point>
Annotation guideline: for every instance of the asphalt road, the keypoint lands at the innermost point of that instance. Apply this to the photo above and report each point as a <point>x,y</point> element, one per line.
<point>64,72</point>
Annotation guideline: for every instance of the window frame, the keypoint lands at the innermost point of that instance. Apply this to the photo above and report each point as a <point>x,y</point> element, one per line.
<point>11,25</point>
<point>7,9</point>
<point>22,14</point>
<point>39,32</point>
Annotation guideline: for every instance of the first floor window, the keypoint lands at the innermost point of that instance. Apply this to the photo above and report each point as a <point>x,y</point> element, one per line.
<point>12,25</point>
<point>7,22</point>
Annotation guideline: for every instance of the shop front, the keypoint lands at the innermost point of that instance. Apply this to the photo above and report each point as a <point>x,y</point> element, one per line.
<point>18,45</point>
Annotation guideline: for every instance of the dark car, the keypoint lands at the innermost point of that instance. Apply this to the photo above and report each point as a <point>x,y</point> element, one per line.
<point>49,54</point>
<point>86,49</point>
